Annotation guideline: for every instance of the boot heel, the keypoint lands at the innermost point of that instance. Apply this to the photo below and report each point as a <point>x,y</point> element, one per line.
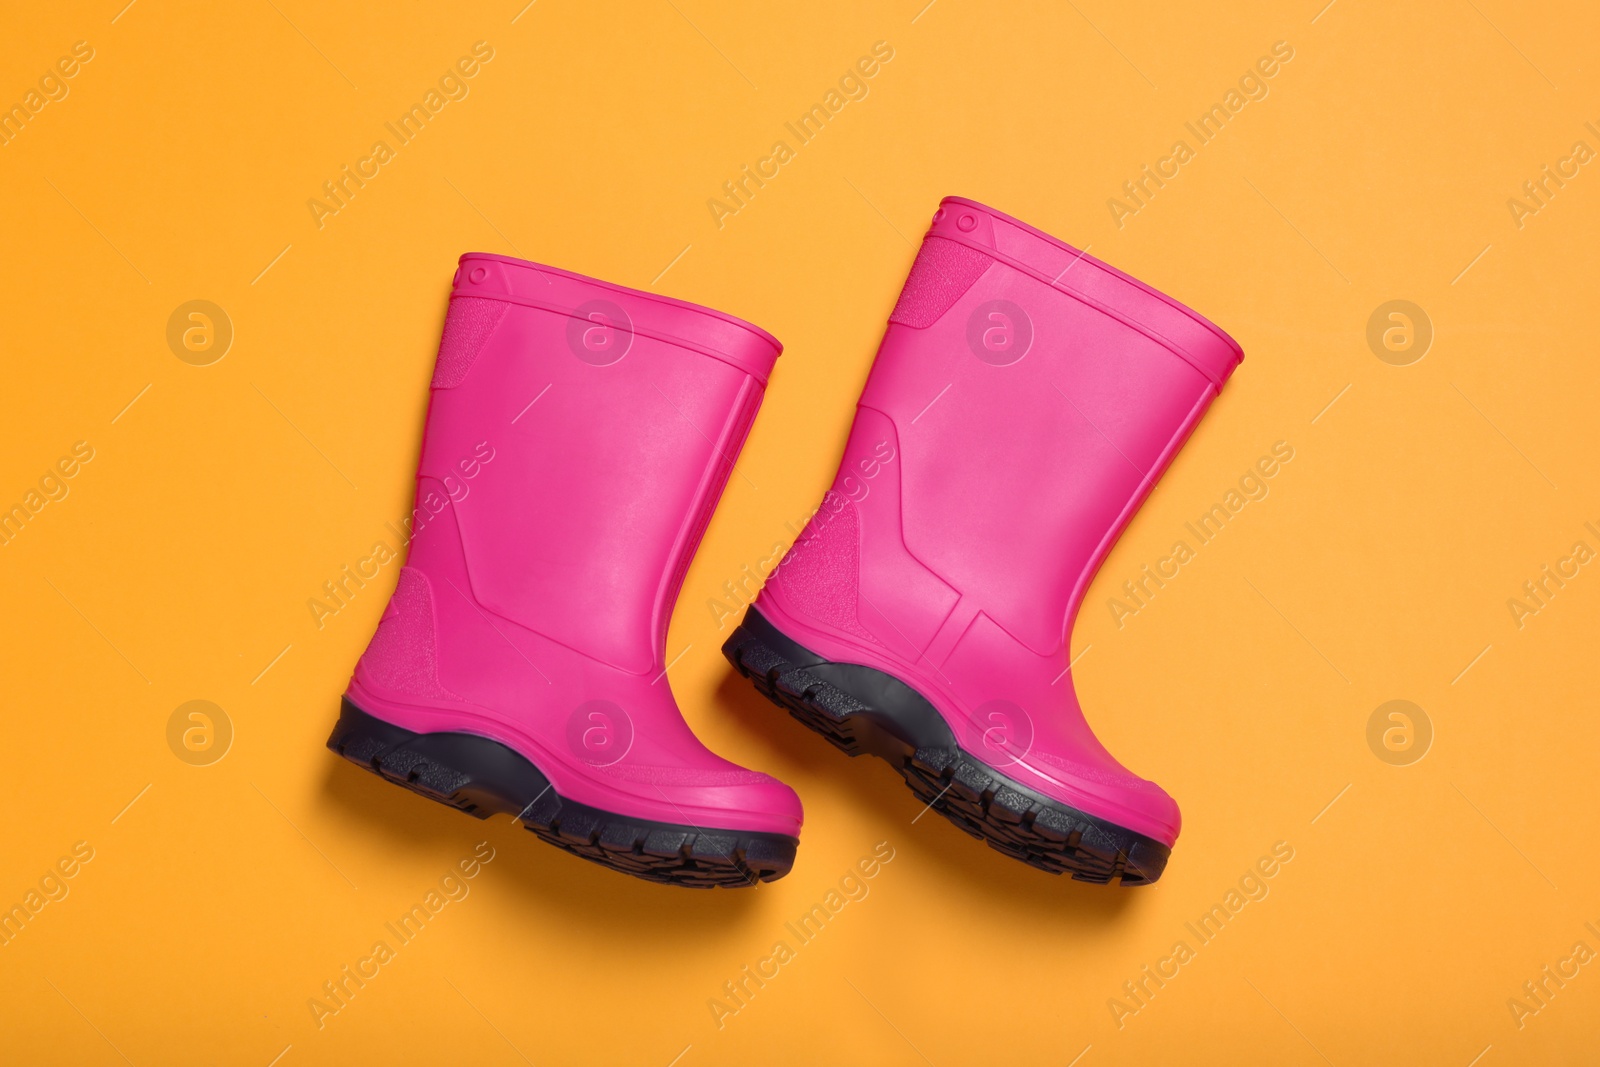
<point>470,774</point>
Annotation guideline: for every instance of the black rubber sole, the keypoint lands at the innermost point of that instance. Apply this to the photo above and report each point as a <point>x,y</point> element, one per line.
<point>861,710</point>
<point>483,778</point>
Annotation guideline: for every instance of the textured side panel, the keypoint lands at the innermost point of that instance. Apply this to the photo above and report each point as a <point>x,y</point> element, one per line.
<point>942,273</point>
<point>821,574</point>
<point>403,656</point>
<point>467,326</point>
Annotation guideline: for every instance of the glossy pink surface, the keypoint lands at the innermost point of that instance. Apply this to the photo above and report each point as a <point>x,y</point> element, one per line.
<point>1024,400</point>
<point>578,437</point>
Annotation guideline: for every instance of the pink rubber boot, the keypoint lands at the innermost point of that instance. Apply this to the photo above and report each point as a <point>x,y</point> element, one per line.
<point>578,437</point>
<point>1024,400</point>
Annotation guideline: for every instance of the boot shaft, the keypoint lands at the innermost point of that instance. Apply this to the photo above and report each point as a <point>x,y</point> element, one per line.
<point>581,433</point>
<point>1032,395</point>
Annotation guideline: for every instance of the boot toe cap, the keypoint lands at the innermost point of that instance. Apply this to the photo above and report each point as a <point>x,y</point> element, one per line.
<point>1128,800</point>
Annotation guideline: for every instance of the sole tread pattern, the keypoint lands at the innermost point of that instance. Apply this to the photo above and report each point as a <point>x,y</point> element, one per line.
<point>482,777</point>
<point>1006,815</point>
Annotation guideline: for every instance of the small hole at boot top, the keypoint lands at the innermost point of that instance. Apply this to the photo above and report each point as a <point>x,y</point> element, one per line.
<point>967,223</point>
<point>938,216</point>
<point>477,274</point>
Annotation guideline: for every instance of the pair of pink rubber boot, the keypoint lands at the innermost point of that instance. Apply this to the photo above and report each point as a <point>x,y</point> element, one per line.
<point>1023,402</point>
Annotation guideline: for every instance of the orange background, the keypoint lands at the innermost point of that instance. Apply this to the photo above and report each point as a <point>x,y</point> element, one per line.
<point>219,898</point>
